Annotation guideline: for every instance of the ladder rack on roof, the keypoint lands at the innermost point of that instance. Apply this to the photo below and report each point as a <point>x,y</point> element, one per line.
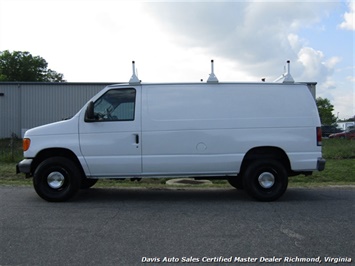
<point>286,77</point>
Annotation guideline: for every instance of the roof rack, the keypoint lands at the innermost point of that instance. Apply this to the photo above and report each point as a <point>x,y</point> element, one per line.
<point>287,78</point>
<point>212,78</point>
<point>134,79</point>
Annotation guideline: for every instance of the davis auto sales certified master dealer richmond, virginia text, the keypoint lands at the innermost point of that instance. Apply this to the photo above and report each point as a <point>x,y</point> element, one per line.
<point>236,259</point>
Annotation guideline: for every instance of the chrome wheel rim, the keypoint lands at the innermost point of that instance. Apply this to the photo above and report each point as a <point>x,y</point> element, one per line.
<point>266,180</point>
<point>55,180</point>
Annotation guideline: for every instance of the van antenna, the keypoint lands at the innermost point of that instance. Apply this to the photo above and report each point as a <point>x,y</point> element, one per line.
<point>134,79</point>
<point>287,78</point>
<point>212,78</point>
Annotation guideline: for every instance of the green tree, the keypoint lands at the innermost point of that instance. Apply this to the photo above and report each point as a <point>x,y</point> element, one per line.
<point>325,109</point>
<point>22,66</point>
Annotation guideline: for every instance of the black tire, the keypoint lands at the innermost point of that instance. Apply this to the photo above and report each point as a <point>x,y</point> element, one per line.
<point>57,179</point>
<point>87,183</point>
<point>236,182</point>
<point>265,180</point>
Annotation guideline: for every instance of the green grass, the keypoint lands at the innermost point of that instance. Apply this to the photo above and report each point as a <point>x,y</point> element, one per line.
<point>338,149</point>
<point>10,150</point>
<point>340,168</point>
<point>337,172</point>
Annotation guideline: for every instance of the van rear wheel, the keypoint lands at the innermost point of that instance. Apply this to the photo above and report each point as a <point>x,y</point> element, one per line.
<point>265,180</point>
<point>57,179</point>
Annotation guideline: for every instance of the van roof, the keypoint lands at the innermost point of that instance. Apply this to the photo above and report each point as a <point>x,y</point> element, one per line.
<point>204,83</point>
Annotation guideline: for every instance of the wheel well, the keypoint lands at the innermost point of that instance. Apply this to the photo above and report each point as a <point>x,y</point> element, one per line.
<point>258,153</point>
<point>47,153</point>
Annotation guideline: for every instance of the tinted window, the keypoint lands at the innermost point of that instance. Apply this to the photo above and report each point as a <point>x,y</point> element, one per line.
<point>116,105</point>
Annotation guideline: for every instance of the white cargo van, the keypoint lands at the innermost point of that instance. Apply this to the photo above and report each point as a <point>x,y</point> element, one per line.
<point>255,135</point>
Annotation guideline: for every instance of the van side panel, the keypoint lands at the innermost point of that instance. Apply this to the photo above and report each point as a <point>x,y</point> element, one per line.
<point>207,129</point>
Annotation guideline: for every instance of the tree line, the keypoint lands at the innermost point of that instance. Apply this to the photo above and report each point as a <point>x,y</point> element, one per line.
<point>22,66</point>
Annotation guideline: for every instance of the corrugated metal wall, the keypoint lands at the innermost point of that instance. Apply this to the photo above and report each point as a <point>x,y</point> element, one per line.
<point>26,105</point>
<point>10,114</point>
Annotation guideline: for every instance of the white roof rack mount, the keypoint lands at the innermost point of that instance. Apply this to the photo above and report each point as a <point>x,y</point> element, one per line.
<point>287,78</point>
<point>134,79</point>
<point>212,78</point>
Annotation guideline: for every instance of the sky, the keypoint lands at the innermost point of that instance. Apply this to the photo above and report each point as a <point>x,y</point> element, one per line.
<point>174,41</point>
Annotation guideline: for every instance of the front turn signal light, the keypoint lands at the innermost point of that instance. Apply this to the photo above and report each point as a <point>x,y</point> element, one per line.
<point>26,144</point>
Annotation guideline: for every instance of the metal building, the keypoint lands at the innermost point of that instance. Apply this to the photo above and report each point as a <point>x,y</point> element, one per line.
<point>24,105</point>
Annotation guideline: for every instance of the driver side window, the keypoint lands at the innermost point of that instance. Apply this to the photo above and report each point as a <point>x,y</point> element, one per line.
<point>116,105</point>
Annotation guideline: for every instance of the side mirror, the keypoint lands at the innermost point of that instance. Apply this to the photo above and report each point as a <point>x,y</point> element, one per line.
<point>89,113</point>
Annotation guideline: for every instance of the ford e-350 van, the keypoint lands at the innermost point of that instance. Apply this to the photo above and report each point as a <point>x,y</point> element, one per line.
<point>255,135</point>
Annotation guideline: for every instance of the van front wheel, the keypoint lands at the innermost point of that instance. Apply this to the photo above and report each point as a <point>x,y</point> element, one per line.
<point>57,179</point>
<point>265,180</point>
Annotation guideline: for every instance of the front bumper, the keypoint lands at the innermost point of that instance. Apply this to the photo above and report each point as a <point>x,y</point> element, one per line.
<point>320,164</point>
<point>24,166</point>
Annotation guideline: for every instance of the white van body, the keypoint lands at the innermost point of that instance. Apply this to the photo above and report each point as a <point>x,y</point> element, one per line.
<point>182,129</point>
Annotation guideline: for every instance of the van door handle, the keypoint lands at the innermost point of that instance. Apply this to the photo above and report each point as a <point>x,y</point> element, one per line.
<point>137,138</point>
